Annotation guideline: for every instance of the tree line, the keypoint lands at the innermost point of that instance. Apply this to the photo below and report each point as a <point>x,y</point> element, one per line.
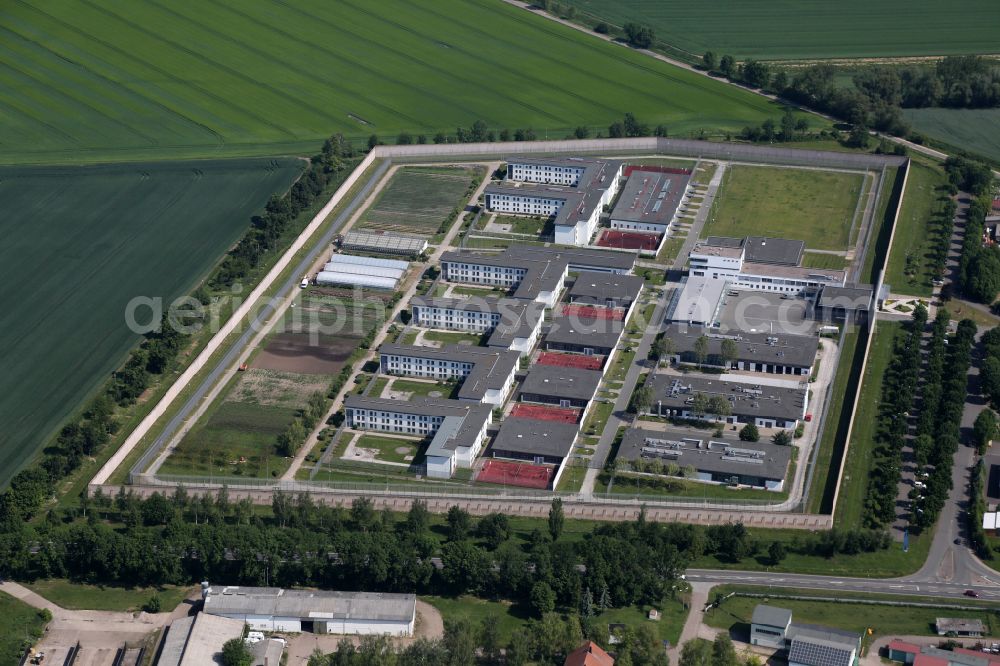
<point>899,387</point>
<point>978,275</point>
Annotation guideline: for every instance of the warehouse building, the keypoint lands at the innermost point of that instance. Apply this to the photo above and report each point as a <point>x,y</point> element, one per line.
<point>754,352</point>
<point>383,242</point>
<point>197,640</point>
<point>513,324</point>
<point>606,290</point>
<point>317,611</point>
<point>807,644</point>
<point>764,406</point>
<point>560,386</point>
<point>959,626</point>
<point>650,199</point>
<point>487,375</point>
<point>716,459</point>
<point>350,270</point>
<point>574,191</point>
<point>537,441</point>
<point>578,334</point>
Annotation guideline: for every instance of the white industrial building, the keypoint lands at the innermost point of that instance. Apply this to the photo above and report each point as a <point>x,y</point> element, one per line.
<point>572,190</point>
<point>197,640</point>
<point>650,199</point>
<point>321,612</point>
<point>350,270</point>
<point>383,242</point>
<point>458,428</point>
<point>487,375</point>
<point>760,264</point>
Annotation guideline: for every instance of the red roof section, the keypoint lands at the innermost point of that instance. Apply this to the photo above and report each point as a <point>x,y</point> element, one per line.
<point>903,646</point>
<point>590,654</point>
<point>993,658</point>
<point>924,660</point>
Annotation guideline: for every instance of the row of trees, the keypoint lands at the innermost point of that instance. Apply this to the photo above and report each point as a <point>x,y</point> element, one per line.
<point>478,132</point>
<point>977,507</point>
<point>990,371</point>
<point>899,387</point>
<point>267,230</point>
<point>978,275</point>
<point>930,394</point>
<point>948,420</point>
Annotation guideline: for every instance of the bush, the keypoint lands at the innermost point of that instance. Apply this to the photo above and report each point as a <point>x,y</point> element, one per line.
<point>152,605</point>
<point>749,433</point>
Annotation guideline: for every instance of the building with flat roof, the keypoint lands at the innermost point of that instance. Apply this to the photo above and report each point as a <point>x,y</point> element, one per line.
<point>541,442</point>
<point>959,626</point>
<point>764,406</point>
<point>846,303</point>
<point>487,375</point>
<point>581,258</point>
<point>755,352</point>
<point>319,611</point>
<point>423,417</point>
<point>606,289</point>
<point>573,193</point>
<point>649,200</point>
<point>579,334</point>
<point>560,386</point>
<point>761,264</point>
<point>715,459</point>
<point>513,324</point>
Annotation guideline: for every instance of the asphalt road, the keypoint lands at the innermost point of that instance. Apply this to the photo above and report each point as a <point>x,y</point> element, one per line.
<point>909,585</point>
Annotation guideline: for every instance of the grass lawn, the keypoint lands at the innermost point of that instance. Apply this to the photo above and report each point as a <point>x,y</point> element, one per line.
<point>909,270</point>
<point>831,441</point>
<point>961,311</point>
<point>88,241</point>
<point>378,386</point>
<point>813,206</point>
<point>230,432</point>
<point>881,564</point>
<point>21,622</point>
<point>390,449</point>
<point>418,200</point>
<point>767,30</point>
<point>572,477</point>
<point>620,364</point>
<point>668,253</point>
<point>424,388</point>
<point>883,619</point>
<point>831,261</point>
<point>90,81</point>
<point>857,466</point>
<point>448,338</point>
<point>81,596</point>
<point>600,412</point>
<point>668,628</point>
<point>972,130</point>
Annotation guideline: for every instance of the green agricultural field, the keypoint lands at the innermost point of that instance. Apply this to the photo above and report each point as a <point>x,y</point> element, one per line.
<point>803,29</point>
<point>813,206</point>
<point>79,244</point>
<point>21,621</point>
<point>88,81</point>
<point>418,201</point>
<point>971,130</point>
<point>918,230</point>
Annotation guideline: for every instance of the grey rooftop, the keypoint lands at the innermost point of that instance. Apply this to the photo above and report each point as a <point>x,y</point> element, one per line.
<point>550,380</point>
<point>307,604</point>
<point>536,437</point>
<point>599,286</point>
<point>772,616</point>
<point>705,452</point>
<point>792,350</point>
<point>746,399</point>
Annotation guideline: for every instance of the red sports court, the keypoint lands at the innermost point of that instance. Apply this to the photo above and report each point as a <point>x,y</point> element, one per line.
<point>593,312</point>
<point>524,475</point>
<point>571,361</point>
<point>629,240</point>
<point>542,413</point>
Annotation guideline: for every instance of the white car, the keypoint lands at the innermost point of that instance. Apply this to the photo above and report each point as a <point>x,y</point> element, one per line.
<point>253,637</point>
